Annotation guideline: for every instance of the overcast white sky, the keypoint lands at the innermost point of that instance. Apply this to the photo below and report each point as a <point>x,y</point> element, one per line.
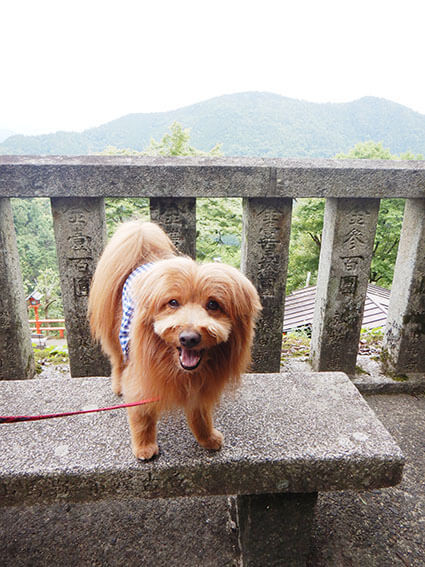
<point>71,65</point>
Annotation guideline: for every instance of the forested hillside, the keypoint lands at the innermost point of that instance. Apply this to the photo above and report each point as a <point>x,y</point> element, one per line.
<point>250,124</point>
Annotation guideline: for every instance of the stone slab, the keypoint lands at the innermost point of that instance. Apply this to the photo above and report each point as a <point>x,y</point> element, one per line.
<point>135,176</point>
<point>349,227</point>
<point>264,259</point>
<point>80,235</point>
<point>303,432</point>
<point>275,529</point>
<point>404,343</point>
<point>177,216</point>
<point>16,354</point>
<point>182,532</point>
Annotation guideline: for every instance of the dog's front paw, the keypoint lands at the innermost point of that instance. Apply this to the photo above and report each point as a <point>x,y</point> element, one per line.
<point>146,452</point>
<point>213,442</point>
<point>116,383</point>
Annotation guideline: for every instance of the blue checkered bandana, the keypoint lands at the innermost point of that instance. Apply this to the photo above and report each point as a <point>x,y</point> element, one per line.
<point>128,307</point>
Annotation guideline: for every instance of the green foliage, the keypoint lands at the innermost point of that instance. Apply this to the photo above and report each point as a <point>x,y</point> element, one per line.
<point>177,143</point>
<point>375,150</point>
<point>55,355</point>
<point>372,336</point>
<point>35,239</point>
<point>48,284</point>
<point>308,224</point>
<point>296,344</point>
<point>306,237</point>
<point>118,210</point>
<point>219,226</point>
<point>367,150</point>
<point>387,239</point>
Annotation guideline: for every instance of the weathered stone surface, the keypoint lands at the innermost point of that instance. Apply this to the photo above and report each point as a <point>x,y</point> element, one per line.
<point>275,529</point>
<point>80,233</point>
<point>177,216</point>
<point>303,432</point>
<point>135,176</point>
<point>16,354</point>
<point>404,344</point>
<point>265,250</point>
<point>345,257</point>
<point>183,532</point>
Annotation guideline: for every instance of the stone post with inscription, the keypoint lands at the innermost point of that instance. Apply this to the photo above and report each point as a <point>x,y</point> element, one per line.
<point>80,233</point>
<point>265,246</point>
<point>177,216</point>
<point>345,257</point>
<point>16,354</point>
<point>404,342</point>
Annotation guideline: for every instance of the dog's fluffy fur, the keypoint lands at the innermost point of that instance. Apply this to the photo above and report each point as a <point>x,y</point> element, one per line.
<point>190,337</point>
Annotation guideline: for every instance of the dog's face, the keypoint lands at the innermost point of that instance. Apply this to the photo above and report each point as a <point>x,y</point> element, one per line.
<point>195,308</point>
<point>193,323</point>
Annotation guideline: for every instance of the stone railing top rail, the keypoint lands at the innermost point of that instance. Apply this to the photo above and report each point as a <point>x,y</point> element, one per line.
<point>133,176</point>
<point>283,433</point>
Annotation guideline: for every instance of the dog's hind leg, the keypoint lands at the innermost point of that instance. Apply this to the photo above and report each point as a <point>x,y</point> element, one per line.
<point>116,375</point>
<point>113,350</point>
<point>142,422</point>
<point>201,423</point>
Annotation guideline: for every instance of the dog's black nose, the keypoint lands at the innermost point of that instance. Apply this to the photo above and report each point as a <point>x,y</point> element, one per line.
<point>189,339</point>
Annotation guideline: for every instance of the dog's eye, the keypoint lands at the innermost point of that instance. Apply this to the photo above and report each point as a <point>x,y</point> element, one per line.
<point>173,303</point>
<point>212,305</point>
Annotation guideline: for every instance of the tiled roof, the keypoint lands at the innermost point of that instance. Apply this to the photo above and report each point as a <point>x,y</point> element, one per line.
<point>299,307</point>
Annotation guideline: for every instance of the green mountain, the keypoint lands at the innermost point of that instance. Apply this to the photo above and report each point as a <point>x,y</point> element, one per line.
<point>249,124</point>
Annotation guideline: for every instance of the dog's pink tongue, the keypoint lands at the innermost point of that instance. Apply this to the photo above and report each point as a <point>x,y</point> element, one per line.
<point>189,357</point>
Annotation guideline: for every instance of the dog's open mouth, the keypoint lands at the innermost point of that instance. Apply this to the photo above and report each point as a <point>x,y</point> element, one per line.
<point>189,358</point>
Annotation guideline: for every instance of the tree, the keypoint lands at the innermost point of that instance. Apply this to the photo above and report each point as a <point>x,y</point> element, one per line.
<point>177,143</point>
<point>367,150</point>
<point>308,224</point>
<point>35,239</point>
<point>48,284</point>
<point>306,239</point>
<point>219,220</point>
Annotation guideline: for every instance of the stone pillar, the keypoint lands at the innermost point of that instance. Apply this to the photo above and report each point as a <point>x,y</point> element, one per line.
<point>16,354</point>
<point>345,257</point>
<point>404,343</point>
<point>80,233</point>
<point>177,216</point>
<point>265,249</point>
<point>275,529</point>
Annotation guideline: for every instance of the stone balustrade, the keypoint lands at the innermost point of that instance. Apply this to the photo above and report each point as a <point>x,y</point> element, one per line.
<point>77,187</point>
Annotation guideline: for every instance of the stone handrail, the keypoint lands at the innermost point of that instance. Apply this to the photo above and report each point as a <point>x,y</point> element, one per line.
<point>77,187</point>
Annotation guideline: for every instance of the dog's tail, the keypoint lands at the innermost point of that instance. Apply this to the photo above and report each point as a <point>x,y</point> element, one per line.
<point>133,244</point>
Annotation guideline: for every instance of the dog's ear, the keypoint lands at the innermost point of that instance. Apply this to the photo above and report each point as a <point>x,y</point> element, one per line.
<point>246,300</point>
<point>166,279</point>
<point>147,298</point>
<point>231,288</point>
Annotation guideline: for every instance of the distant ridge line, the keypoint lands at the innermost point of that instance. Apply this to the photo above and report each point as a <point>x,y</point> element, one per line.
<point>248,124</point>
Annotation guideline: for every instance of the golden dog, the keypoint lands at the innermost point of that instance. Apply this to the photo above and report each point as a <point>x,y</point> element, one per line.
<point>189,336</point>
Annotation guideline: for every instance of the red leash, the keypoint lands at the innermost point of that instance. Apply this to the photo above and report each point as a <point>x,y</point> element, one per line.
<point>16,418</point>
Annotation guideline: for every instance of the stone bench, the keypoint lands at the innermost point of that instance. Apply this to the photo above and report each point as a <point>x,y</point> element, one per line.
<point>287,437</point>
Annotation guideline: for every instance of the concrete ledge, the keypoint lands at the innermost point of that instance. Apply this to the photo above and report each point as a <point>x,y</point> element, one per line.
<point>138,176</point>
<point>302,432</point>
